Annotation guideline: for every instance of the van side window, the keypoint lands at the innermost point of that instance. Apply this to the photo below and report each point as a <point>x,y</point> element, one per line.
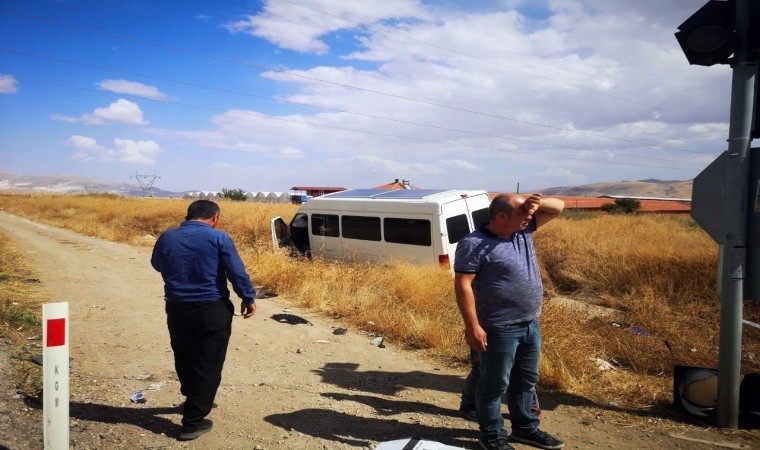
<point>361,227</point>
<point>407,231</point>
<point>325,225</point>
<point>457,228</point>
<point>480,217</point>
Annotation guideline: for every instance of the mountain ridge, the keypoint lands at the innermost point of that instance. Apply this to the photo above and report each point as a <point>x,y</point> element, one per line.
<point>75,184</point>
<point>641,188</point>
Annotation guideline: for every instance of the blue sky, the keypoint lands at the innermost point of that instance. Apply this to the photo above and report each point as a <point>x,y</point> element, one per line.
<point>264,95</point>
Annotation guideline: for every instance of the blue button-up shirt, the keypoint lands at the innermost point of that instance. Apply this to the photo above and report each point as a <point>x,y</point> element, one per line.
<point>196,260</point>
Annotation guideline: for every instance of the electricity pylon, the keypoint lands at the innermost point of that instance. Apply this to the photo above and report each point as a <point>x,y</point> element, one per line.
<point>146,183</point>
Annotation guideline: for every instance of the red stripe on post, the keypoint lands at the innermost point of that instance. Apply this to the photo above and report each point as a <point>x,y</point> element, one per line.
<point>56,332</point>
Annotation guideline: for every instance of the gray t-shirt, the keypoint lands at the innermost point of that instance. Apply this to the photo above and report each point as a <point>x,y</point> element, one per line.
<point>507,285</point>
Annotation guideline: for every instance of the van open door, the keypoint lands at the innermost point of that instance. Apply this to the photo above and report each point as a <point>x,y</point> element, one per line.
<point>294,236</point>
<point>280,233</point>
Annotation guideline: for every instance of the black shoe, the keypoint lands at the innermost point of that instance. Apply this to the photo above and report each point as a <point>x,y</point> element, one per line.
<point>494,443</point>
<point>204,427</point>
<point>538,439</point>
<point>469,414</point>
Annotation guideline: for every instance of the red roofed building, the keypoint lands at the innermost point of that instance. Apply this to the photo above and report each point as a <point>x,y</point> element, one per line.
<point>659,206</point>
<point>300,194</point>
<point>315,191</point>
<point>403,184</point>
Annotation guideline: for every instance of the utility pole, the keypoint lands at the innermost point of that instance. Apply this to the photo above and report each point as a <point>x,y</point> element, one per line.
<point>721,194</point>
<point>146,183</point>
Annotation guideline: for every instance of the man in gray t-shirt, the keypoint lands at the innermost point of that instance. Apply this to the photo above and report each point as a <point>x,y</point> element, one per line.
<point>499,293</point>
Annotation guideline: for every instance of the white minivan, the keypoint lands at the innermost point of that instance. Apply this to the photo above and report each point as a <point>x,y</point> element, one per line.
<point>416,225</point>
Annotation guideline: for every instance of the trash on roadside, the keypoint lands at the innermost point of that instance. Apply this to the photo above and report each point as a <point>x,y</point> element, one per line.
<point>340,331</point>
<point>414,444</point>
<point>625,326</point>
<point>291,319</point>
<point>640,331</point>
<point>602,364</point>
<point>138,397</point>
<point>379,341</point>
<point>616,363</point>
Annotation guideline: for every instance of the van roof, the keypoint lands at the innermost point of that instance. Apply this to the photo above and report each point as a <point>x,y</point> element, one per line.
<point>407,201</point>
<point>399,194</point>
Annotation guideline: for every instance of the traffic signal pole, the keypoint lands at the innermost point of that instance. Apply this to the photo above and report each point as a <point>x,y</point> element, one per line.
<point>735,215</point>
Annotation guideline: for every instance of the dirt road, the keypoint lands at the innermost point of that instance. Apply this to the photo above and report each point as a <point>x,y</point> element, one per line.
<point>284,386</point>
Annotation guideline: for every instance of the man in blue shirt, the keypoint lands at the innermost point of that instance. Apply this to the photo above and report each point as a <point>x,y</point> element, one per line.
<point>195,261</point>
<point>499,293</point>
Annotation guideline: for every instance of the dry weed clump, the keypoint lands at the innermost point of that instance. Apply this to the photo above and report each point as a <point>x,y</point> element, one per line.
<point>20,315</point>
<point>656,274</point>
<point>612,256</point>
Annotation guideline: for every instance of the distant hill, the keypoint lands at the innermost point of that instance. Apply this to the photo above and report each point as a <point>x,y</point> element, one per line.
<point>72,184</point>
<point>642,188</point>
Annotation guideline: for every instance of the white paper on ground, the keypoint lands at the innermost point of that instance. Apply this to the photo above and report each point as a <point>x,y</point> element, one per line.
<point>421,444</point>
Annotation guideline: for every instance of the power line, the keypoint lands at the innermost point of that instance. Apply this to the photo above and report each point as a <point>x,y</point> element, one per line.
<point>334,127</point>
<point>485,60</point>
<point>605,152</point>
<point>285,72</point>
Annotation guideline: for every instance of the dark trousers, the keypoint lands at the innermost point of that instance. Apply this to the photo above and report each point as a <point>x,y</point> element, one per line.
<point>199,332</point>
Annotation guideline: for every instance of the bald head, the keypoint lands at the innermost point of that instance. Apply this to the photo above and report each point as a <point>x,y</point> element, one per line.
<point>505,203</point>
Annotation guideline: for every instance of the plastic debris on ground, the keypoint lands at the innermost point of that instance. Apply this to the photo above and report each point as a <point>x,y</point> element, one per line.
<point>414,444</point>
<point>291,319</point>
<point>602,364</point>
<point>138,397</point>
<point>340,331</point>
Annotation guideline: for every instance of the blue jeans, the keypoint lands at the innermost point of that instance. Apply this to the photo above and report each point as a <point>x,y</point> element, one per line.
<point>509,365</point>
<point>467,402</point>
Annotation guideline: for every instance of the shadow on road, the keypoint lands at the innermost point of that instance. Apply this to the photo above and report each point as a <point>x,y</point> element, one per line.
<point>140,416</point>
<point>347,376</point>
<point>359,431</point>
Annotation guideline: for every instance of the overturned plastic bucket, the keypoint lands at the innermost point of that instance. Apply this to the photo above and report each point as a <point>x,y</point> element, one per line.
<point>695,389</point>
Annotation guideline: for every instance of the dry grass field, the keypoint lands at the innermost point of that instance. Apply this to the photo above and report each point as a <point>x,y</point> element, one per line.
<point>652,276</point>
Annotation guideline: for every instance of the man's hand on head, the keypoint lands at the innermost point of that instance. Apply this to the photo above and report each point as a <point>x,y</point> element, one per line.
<point>532,203</point>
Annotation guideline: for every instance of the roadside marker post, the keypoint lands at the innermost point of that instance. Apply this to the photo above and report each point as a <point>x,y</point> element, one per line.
<point>55,378</point>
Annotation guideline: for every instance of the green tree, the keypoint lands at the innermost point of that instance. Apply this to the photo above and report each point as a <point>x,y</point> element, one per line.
<point>623,206</point>
<point>233,194</point>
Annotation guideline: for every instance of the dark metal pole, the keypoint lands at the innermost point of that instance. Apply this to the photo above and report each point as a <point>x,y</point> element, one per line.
<point>735,214</point>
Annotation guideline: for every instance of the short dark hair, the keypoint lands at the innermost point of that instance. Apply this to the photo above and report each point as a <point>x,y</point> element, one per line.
<point>202,209</point>
<point>501,203</point>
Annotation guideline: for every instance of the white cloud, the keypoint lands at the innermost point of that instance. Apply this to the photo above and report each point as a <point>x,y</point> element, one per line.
<point>222,165</point>
<point>132,88</point>
<point>125,150</point>
<point>461,165</point>
<point>8,84</point>
<point>87,148</point>
<point>62,118</point>
<point>119,112</point>
<point>291,153</point>
<point>299,26</point>
<point>575,90</point>
<point>564,176</point>
<point>137,152</point>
